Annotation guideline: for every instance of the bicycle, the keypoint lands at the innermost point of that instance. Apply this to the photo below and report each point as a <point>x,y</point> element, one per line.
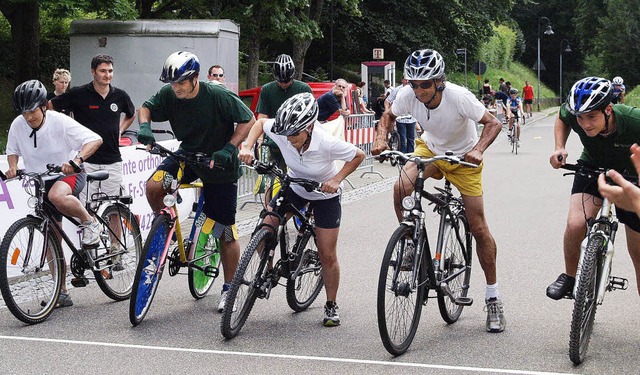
<point>200,252</point>
<point>299,265</point>
<point>409,270</point>
<point>514,133</point>
<point>593,277</point>
<point>33,259</point>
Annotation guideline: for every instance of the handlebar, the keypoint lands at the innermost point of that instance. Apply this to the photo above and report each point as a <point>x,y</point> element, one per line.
<point>272,169</point>
<point>192,158</point>
<point>21,173</point>
<point>590,172</point>
<point>403,158</point>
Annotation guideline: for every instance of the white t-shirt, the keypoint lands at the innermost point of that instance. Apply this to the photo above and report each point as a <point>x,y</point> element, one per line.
<point>449,127</point>
<point>56,140</point>
<point>316,163</point>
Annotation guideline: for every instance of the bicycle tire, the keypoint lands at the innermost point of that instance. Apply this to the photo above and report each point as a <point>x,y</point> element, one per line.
<point>200,282</point>
<point>456,255</point>
<point>150,269</point>
<point>30,291</point>
<point>585,304</point>
<point>398,306</point>
<point>117,279</point>
<point>246,284</point>
<point>302,291</point>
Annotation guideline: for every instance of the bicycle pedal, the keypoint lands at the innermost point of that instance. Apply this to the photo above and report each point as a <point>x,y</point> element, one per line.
<point>464,301</point>
<point>79,282</point>
<point>211,271</point>
<point>618,283</point>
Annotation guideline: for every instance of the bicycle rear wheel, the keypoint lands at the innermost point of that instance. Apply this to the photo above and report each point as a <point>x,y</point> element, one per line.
<point>456,255</point>
<point>399,302</point>
<point>302,291</point>
<point>116,280</point>
<point>150,268</point>
<point>247,283</point>
<point>585,304</point>
<point>32,272</point>
<point>206,251</point>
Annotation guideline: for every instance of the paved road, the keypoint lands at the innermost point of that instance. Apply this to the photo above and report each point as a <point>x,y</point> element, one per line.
<point>526,204</point>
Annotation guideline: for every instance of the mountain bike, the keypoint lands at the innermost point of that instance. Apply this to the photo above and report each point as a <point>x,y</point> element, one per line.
<point>32,274</point>
<point>410,270</point>
<point>514,133</point>
<point>593,277</point>
<point>200,252</point>
<point>300,264</point>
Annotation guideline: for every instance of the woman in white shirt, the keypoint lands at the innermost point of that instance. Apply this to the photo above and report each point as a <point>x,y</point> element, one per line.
<point>309,153</point>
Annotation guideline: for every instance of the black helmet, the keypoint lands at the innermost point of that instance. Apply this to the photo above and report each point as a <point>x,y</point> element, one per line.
<point>296,114</point>
<point>29,95</point>
<point>283,68</point>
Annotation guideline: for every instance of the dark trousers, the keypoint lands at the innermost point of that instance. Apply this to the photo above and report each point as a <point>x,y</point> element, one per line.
<point>407,135</point>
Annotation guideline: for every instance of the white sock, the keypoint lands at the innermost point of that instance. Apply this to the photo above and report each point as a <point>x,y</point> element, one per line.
<point>492,291</point>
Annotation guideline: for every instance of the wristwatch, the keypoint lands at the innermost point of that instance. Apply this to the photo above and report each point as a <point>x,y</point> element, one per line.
<point>79,156</point>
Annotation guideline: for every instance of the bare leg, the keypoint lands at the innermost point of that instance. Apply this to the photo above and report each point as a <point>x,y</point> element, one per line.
<point>576,228</point>
<point>485,243</point>
<point>327,240</point>
<point>633,245</point>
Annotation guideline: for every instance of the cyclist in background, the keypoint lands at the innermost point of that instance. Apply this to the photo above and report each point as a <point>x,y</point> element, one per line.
<point>605,131</point>
<point>309,152</point>
<point>202,116</point>
<point>618,90</point>
<point>515,112</point>
<point>41,137</point>
<point>448,114</point>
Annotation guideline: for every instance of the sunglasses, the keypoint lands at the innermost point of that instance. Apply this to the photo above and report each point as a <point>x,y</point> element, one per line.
<point>217,75</point>
<point>423,85</point>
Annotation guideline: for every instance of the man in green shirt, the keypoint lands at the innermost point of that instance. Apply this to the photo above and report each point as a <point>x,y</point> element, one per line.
<point>606,131</point>
<point>272,95</point>
<point>202,116</point>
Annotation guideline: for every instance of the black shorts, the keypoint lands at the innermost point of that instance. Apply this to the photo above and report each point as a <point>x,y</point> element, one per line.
<point>326,212</point>
<point>528,101</point>
<point>582,184</point>
<point>220,200</point>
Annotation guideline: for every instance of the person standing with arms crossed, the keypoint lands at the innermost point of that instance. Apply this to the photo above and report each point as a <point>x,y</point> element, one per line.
<point>203,117</point>
<point>448,114</point>
<point>272,95</point>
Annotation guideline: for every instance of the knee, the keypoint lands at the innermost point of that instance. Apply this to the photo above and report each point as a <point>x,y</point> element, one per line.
<point>576,225</point>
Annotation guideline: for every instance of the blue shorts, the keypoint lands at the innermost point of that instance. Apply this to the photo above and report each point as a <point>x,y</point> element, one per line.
<point>326,212</point>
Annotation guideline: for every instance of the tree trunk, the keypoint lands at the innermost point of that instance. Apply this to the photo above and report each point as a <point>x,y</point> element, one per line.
<point>253,59</point>
<point>300,48</point>
<point>24,19</point>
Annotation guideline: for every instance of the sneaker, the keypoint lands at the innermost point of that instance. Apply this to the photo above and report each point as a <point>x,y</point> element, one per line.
<point>562,287</point>
<point>64,300</point>
<point>407,257</point>
<point>331,315</point>
<point>223,297</point>
<point>90,233</point>
<point>117,260</point>
<point>496,322</point>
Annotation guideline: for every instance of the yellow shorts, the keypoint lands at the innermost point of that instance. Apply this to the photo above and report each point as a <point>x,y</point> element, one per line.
<point>467,180</point>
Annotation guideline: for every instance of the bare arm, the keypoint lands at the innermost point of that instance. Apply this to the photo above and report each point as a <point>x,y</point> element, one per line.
<point>13,165</point>
<point>491,130</point>
<point>242,130</point>
<point>561,133</point>
<point>144,115</point>
<point>125,123</point>
<point>332,185</point>
<point>385,125</point>
<point>246,151</point>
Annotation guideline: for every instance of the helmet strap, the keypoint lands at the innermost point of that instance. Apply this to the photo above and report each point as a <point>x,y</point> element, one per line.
<point>606,131</point>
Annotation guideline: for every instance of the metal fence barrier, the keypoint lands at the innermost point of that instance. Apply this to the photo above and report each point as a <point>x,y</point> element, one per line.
<point>360,130</point>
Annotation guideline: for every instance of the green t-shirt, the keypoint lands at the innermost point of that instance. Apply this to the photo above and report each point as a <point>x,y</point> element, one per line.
<point>203,124</point>
<point>271,98</point>
<point>612,151</point>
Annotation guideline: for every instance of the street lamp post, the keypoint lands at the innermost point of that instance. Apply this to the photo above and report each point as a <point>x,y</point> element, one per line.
<point>549,31</point>
<point>463,51</point>
<point>568,49</point>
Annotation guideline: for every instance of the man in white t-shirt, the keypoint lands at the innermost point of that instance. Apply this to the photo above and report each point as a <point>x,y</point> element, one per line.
<point>310,153</point>
<point>44,137</point>
<point>448,115</point>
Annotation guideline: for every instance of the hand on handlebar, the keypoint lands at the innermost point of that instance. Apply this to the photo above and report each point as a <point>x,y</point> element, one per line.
<point>246,155</point>
<point>558,158</point>
<point>625,195</point>
<point>330,186</point>
<point>145,135</point>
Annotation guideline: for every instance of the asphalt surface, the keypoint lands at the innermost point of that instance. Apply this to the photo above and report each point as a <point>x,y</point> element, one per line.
<point>526,202</point>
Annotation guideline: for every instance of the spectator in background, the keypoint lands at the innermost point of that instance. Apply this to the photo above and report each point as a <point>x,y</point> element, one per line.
<point>99,106</point>
<point>508,85</point>
<point>334,100</point>
<point>216,74</point>
<point>405,124</point>
<point>387,87</point>
<point>527,93</point>
<point>486,88</point>
<point>503,86</point>
<point>362,106</point>
<point>61,81</point>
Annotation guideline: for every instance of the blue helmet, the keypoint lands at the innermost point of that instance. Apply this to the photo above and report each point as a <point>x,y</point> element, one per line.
<point>179,66</point>
<point>589,94</point>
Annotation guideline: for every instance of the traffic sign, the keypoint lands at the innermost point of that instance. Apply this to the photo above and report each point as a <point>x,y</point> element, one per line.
<point>479,67</point>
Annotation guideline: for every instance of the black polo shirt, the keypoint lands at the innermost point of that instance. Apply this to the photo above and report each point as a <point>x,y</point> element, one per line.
<point>102,115</point>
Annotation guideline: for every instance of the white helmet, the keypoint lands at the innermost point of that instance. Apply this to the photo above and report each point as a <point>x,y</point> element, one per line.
<point>424,64</point>
<point>617,80</point>
<point>296,114</point>
<point>179,66</point>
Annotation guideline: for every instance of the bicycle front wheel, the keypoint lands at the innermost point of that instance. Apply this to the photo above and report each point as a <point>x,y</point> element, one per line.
<point>149,271</point>
<point>33,270</point>
<point>399,298</point>
<point>304,289</point>
<point>585,304</point>
<point>456,255</point>
<point>206,252</point>
<point>246,284</point>
<point>117,274</point>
